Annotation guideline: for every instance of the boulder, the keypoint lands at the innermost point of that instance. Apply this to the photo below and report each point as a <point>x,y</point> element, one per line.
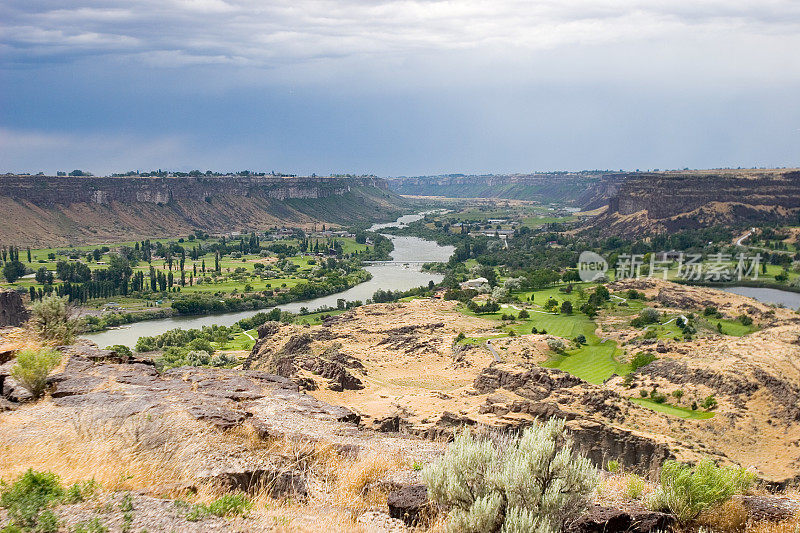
<point>601,519</point>
<point>408,503</point>
<point>12,310</point>
<point>280,482</point>
<point>769,508</point>
<point>218,415</point>
<point>15,392</point>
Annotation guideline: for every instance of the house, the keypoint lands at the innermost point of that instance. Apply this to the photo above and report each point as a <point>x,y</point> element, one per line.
<point>474,283</point>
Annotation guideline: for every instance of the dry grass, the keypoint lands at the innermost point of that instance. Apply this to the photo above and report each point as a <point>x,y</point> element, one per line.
<point>136,453</point>
<point>728,517</point>
<point>355,488</point>
<point>788,526</point>
<point>162,454</point>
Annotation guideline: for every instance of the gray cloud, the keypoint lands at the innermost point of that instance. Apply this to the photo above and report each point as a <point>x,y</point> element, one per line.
<point>267,34</point>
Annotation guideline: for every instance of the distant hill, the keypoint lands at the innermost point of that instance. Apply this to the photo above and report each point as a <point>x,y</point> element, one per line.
<point>42,211</point>
<point>647,203</point>
<point>588,190</point>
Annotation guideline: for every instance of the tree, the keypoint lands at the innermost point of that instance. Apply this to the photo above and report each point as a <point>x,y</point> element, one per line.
<point>566,307</point>
<point>489,273</point>
<point>44,276</point>
<point>13,270</point>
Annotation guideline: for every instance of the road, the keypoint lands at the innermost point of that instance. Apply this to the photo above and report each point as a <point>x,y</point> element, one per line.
<point>494,353</point>
<point>741,239</point>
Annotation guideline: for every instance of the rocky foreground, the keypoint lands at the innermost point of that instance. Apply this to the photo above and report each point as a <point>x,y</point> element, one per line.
<point>326,427</point>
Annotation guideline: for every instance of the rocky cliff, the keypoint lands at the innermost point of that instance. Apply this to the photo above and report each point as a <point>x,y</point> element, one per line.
<point>669,201</point>
<point>583,189</point>
<point>12,310</point>
<point>47,210</point>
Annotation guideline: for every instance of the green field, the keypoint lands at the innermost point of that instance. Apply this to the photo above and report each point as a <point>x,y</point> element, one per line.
<point>672,409</point>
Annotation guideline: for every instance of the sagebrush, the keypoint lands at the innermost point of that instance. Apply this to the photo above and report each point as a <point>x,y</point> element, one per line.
<point>52,318</point>
<point>534,483</point>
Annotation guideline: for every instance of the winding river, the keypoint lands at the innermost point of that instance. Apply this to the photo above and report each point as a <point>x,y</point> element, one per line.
<point>394,277</point>
<point>769,296</point>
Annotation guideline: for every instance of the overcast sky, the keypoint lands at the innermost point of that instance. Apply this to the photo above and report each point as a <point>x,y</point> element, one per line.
<point>398,87</point>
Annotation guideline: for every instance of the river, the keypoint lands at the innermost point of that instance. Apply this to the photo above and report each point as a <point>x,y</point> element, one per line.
<point>768,296</point>
<point>387,277</point>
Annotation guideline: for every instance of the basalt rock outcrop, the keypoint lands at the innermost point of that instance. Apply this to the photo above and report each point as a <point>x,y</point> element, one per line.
<point>12,310</point>
<point>656,202</point>
<point>57,211</point>
<point>591,413</point>
<point>296,355</point>
<point>585,189</point>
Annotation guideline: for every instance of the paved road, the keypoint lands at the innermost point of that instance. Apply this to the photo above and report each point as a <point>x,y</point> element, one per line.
<point>494,353</point>
<point>741,239</point>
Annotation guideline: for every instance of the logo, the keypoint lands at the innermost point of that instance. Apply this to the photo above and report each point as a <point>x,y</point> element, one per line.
<point>591,266</point>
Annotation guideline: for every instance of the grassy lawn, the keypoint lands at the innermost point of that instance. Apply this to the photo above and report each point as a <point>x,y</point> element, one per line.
<point>672,409</point>
<point>594,363</point>
<point>535,222</point>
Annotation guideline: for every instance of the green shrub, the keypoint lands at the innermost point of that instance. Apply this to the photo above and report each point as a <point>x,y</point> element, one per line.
<point>27,499</point>
<point>53,320</point>
<point>557,345</point>
<point>634,486</point>
<point>532,483</point>
<point>121,350</point>
<point>227,505</point>
<point>33,367</point>
<point>745,320</point>
<point>613,466</point>
<point>686,491</point>
<point>81,491</point>
<point>709,403</point>
<point>642,359</point>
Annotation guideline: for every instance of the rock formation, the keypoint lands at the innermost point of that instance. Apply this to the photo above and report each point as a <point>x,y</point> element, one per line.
<point>12,310</point>
<point>668,201</point>
<point>47,210</point>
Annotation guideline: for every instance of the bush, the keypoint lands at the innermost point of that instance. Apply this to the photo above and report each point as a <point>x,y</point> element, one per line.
<point>524,314</point>
<point>121,350</point>
<point>557,345</point>
<point>223,360</point>
<point>642,359</point>
<point>686,491</point>
<point>227,505</point>
<point>634,486</point>
<point>52,319</point>
<point>709,403</point>
<point>32,369</point>
<point>27,500</point>
<point>532,483</point>
<point>648,315</point>
<point>745,320</point>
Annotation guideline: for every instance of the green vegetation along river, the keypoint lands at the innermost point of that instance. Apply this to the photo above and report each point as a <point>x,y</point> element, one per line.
<point>394,277</point>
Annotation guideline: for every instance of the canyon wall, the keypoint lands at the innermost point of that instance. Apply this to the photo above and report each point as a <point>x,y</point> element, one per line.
<point>49,190</point>
<point>43,211</point>
<point>659,202</point>
<point>582,189</point>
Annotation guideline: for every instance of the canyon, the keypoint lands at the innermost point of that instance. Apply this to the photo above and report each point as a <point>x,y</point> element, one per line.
<point>60,210</point>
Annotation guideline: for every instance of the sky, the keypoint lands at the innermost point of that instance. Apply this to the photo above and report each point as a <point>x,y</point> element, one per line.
<point>406,87</point>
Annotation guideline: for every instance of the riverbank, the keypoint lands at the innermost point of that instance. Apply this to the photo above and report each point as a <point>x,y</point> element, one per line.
<point>394,277</point>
